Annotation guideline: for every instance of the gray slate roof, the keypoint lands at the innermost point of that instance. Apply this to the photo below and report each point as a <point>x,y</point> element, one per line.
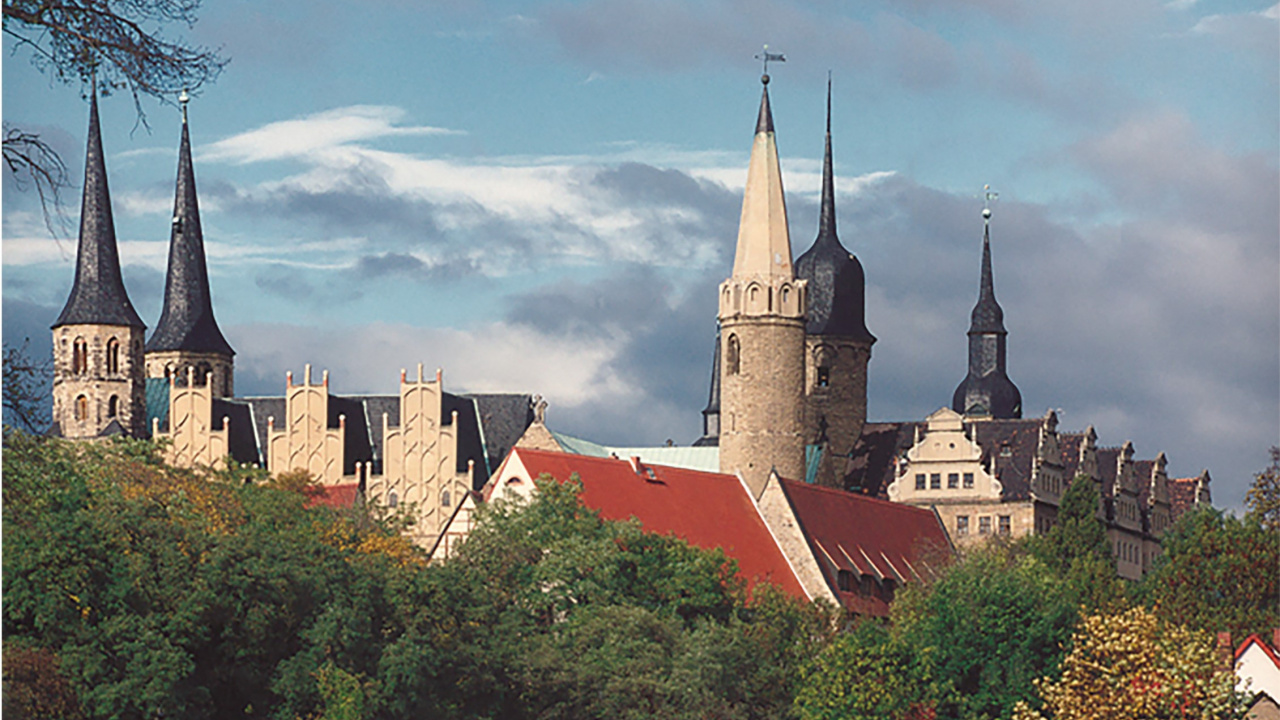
<point>97,296</point>
<point>186,322</point>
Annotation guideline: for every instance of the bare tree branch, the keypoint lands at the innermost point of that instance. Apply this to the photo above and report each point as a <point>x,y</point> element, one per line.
<point>36,165</point>
<point>27,384</point>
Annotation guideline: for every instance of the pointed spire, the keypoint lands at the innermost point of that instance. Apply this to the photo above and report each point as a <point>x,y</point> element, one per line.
<point>97,296</point>
<point>187,322</point>
<point>764,241</point>
<point>827,221</point>
<point>988,316</point>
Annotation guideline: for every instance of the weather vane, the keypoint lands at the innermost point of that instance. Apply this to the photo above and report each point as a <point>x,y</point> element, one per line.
<point>988,196</point>
<point>765,56</point>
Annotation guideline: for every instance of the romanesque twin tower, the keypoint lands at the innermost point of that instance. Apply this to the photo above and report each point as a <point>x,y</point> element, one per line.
<point>791,368</point>
<point>100,362</point>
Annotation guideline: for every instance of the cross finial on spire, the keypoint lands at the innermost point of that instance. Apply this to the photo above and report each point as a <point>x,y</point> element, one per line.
<point>765,56</point>
<point>183,99</point>
<point>988,196</point>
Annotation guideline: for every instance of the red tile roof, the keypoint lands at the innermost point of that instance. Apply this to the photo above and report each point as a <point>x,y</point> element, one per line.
<point>708,510</point>
<point>868,536</point>
<point>1182,495</point>
<point>334,496</point>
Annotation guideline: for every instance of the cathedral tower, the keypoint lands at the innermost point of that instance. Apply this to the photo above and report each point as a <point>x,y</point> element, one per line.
<point>837,342</point>
<point>987,391</point>
<point>762,310</point>
<point>187,335</point>
<point>98,386</point>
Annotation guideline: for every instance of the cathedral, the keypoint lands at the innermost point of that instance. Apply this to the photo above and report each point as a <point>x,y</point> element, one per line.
<point>787,407</point>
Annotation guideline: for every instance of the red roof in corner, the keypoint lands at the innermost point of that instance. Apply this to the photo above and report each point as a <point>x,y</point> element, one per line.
<point>334,496</point>
<point>708,510</point>
<point>868,536</point>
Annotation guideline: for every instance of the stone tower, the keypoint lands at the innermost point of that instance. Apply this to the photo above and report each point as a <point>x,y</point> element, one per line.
<point>762,310</point>
<point>837,342</point>
<point>98,386</point>
<point>187,336</point>
<point>987,391</point>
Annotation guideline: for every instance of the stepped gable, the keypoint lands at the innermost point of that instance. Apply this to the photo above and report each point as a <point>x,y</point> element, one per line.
<point>892,543</point>
<point>708,510</point>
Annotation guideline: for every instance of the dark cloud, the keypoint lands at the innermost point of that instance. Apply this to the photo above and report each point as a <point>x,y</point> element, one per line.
<point>145,286</point>
<point>303,286</point>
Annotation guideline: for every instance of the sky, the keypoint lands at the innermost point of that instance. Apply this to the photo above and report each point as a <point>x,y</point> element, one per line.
<point>542,197</point>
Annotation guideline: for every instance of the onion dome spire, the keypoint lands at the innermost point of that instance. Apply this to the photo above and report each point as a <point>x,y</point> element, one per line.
<point>97,296</point>
<point>987,389</point>
<point>186,322</point>
<point>837,284</point>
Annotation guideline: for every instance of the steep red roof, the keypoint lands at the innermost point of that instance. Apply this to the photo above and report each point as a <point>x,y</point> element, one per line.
<point>334,496</point>
<point>1182,495</point>
<point>708,510</point>
<point>868,536</point>
<point>1255,640</point>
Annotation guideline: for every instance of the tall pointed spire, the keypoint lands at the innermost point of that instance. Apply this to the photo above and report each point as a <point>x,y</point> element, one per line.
<point>837,285</point>
<point>764,241</point>
<point>97,296</point>
<point>187,322</point>
<point>987,389</point>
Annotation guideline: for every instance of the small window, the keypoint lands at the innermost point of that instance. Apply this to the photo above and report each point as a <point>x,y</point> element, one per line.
<point>80,356</point>
<point>962,525</point>
<point>444,499</point>
<point>844,579</point>
<point>1006,451</point>
<point>984,525</point>
<point>393,499</point>
<point>867,585</point>
<point>82,408</point>
<point>919,481</point>
<point>935,481</point>
<point>968,480</point>
<point>1006,525</point>
<point>113,357</point>
<point>953,480</point>
<point>732,356</point>
<point>824,377</point>
<point>112,406</point>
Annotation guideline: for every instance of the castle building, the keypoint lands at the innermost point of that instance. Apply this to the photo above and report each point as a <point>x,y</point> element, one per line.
<point>97,339</point>
<point>762,341</point>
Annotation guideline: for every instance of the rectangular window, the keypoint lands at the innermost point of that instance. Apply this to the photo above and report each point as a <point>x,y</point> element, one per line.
<point>953,480</point>
<point>935,481</point>
<point>962,525</point>
<point>984,525</point>
<point>1006,451</point>
<point>968,480</point>
<point>920,481</point>
<point>1006,525</point>
<point>824,377</point>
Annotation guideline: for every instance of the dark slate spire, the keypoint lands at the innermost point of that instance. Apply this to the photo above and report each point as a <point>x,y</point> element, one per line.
<point>711,413</point>
<point>837,285</point>
<point>987,316</point>
<point>187,323</point>
<point>98,296</point>
<point>987,389</point>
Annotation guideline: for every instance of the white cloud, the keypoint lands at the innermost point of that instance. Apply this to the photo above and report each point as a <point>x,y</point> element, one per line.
<point>303,137</point>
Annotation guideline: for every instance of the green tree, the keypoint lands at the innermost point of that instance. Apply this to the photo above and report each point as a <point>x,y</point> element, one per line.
<point>867,674</point>
<point>1216,572</point>
<point>1263,497</point>
<point>1077,550</point>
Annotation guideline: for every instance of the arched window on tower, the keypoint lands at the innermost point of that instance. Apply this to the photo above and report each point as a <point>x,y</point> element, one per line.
<point>80,356</point>
<point>113,357</point>
<point>444,499</point>
<point>732,356</point>
<point>112,406</point>
<point>82,408</point>
<point>202,373</point>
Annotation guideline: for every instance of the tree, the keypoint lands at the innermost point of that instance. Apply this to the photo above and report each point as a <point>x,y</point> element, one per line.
<point>26,390</point>
<point>1132,666</point>
<point>1077,550</point>
<point>119,44</point>
<point>1216,572</point>
<point>865,674</point>
<point>1263,497</point>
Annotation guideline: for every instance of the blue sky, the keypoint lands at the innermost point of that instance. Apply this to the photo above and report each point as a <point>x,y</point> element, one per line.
<point>541,197</point>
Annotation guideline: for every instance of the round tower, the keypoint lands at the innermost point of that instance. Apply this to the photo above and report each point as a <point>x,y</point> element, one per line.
<point>762,313</point>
